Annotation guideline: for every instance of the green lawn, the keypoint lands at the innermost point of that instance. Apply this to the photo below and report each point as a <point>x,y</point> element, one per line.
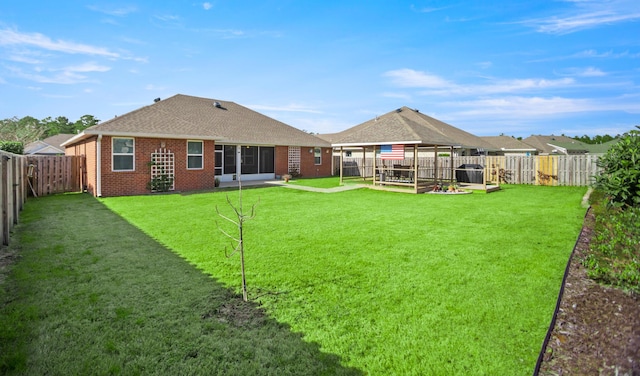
<point>90,294</point>
<point>391,283</point>
<point>353,282</point>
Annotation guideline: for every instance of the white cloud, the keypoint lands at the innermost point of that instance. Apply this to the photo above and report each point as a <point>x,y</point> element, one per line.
<point>66,75</point>
<point>412,78</point>
<point>117,12</point>
<point>63,78</point>
<point>426,9</point>
<point>435,85</point>
<point>397,95</point>
<point>594,54</point>
<point>589,72</point>
<point>518,107</point>
<point>484,64</point>
<point>207,6</point>
<point>589,14</point>
<point>87,67</point>
<point>13,37</point>
<point>24,59</point>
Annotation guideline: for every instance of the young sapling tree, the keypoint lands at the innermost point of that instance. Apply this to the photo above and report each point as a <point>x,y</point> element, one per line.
<point>238,240</point>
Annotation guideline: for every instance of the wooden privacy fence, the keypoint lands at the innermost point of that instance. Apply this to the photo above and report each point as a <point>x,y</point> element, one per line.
<point>55,174</point>
<point>573,170</point>
<point>34,175</point>
<point>12,191</point>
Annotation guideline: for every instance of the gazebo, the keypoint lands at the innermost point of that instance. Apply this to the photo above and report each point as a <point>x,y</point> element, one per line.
<point>396,140</point>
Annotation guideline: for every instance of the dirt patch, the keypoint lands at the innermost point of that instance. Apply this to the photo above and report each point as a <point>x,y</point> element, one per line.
<point>237,312</point>
<point>597,330</point>
<point>7,258</point>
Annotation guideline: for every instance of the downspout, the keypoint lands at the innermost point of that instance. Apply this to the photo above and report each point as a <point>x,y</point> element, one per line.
<point>238,162</point>
<point>99,166</point>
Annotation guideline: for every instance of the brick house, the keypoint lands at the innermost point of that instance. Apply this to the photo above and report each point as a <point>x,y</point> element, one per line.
<point>193,141</point>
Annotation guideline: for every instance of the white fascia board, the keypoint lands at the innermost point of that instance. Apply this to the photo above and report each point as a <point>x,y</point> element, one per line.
<point>560,148</point>
<point>254,143</point>
<point>152,135</point>
<point>356,144</point>
<point>73,139</point>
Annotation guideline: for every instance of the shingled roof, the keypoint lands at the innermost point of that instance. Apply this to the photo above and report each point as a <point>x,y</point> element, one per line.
<point>189,117</point>
<point>50,145</point>
<point>506,143</point>
<point>407,126</point>
<point>556,144</point>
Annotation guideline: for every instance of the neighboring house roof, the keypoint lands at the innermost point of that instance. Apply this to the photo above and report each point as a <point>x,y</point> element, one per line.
<point>407,126</point>
<point>508,144</point>
<point>50,145</point>
<point>188,117</point>
<point>329,137</point>
<point>556,144</point>
<point>602,148</point>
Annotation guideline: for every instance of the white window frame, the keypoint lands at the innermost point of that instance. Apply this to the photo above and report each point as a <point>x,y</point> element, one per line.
<point>132,154</point>
<point>317,156</point>
<point>201,155</point>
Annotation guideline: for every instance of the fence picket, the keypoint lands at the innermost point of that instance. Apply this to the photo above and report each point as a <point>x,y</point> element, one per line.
<point>56,174</point>
<point>572,170</point>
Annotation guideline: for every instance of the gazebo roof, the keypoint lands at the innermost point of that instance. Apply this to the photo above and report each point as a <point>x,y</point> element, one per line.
<point>409,127</point>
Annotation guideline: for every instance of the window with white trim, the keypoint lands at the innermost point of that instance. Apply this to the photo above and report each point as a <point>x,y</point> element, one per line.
<point>317,155</point>
<point>195,153</point>
<point>122,154</point>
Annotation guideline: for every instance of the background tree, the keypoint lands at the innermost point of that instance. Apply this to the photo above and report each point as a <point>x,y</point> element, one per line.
<point>29,129</point>
<point>25,130</point>
<point>597,139</point>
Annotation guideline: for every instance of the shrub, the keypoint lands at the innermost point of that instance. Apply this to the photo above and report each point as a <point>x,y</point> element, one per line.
<point>15,147</point>
<point>160,183</point>
<point>620,178</point>
<point>614,253</point>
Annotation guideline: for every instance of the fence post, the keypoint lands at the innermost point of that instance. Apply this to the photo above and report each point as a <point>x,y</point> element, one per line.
<point>4,198</point>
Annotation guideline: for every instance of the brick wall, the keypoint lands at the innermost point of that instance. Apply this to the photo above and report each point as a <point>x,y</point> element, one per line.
<point>124,183</point>
<point>282,160</point>
<point>308,168</point>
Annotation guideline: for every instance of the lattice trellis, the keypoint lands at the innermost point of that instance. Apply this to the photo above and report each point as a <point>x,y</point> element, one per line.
<point>163,163</point>
<point>294,160</point>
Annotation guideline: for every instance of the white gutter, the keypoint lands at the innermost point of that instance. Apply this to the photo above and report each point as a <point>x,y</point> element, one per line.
<point>99,166</point>
<point>359,144</point>
<point>88,133</point>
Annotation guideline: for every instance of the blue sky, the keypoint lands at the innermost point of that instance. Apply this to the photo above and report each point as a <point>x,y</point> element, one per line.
<point>489,67</point>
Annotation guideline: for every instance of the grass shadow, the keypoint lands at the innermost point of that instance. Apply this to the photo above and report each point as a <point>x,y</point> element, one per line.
<point>92,294</point>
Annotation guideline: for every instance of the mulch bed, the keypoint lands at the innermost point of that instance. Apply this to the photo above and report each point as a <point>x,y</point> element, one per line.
<point>597,330</point>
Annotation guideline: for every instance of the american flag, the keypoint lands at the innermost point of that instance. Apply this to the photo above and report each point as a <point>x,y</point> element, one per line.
<point>392,152</point>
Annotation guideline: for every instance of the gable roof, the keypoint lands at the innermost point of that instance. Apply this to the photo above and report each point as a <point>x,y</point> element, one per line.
<point>189,117</point>
<point>602,148</point>
<point>50,145</point>
<point>506,143</point>
<point>407,126</point>
<point>556,144</point>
